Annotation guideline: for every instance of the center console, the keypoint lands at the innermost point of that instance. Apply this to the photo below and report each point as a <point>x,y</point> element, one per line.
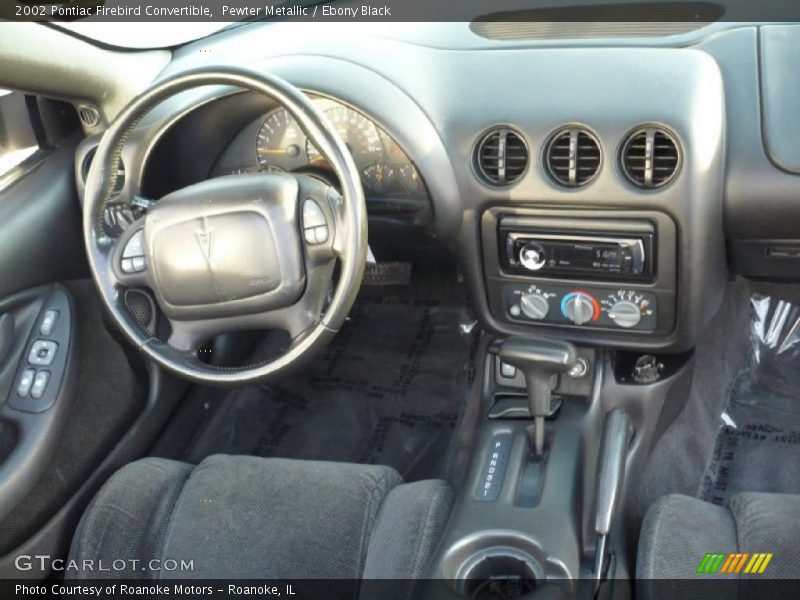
<point>538,515</point>
<point>518,525</point>
<point>630,272</point>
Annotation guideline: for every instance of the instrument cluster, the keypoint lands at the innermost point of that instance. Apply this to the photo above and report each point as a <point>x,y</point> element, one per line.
<point>277,143</point>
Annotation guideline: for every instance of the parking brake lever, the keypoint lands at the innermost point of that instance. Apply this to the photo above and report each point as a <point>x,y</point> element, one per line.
<point>617,434</point>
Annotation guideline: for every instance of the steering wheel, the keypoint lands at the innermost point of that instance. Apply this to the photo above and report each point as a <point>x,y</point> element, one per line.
<point>253,251</point>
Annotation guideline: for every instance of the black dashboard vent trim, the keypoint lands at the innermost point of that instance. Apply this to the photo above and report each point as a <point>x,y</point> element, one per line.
<point>501,156</point>
<point>573,157</point>
<point>87,164</point>
<point>650,157</point>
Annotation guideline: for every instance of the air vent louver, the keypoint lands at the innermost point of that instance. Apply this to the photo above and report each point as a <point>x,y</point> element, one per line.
<point>89,116</point>
<point>87,163</point>
<point>501,157</point>
<point>573,157</point>
<point>650,158</point>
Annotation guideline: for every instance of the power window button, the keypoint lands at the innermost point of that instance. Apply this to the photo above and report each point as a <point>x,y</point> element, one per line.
<point>25,383</point>
<point>40,384</point>
<point>48,322</point>
<point>42,353</point>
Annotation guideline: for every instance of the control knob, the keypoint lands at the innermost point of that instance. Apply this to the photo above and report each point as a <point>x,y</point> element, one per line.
<point>625,314</point>
<point>579,307</point>
<point>532,257</point>
<point>534,306</point>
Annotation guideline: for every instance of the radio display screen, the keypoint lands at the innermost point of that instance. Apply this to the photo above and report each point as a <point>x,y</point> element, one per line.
<point>588,256</point>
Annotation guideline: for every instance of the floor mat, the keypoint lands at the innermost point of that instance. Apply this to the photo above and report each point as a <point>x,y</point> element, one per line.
<point>758,445</point>
<point>388,390</point>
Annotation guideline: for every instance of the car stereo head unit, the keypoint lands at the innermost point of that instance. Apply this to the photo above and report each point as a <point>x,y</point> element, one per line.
<point>561,254</point>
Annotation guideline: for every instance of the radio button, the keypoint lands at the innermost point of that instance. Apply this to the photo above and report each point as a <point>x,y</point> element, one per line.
<point>534,306</point>
<point>579,307</point>
<point>625,314</point>
<point>531,256</point>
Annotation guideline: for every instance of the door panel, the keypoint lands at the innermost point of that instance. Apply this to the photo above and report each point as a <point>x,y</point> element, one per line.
<point>40,225</point>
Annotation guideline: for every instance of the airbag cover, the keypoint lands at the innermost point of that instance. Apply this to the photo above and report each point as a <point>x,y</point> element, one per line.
<point>215,252</point>
<point>216,259</point>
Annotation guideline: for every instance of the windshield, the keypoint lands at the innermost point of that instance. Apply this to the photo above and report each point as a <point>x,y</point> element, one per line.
<point>149,34</point>
<point>143,34</point>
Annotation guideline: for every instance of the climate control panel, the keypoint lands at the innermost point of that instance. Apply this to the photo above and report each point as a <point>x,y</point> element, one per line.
<point>590,306</point>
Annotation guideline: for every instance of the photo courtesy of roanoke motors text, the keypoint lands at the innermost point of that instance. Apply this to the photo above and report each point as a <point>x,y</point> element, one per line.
<point>400,300</point>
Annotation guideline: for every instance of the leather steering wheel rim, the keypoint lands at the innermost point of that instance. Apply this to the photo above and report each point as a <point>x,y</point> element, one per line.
<point>350,234</point>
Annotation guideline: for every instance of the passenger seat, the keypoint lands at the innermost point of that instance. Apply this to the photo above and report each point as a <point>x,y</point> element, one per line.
<point>678,531</point>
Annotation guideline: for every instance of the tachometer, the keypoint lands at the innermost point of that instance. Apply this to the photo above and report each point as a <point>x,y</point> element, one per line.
<point>280,143</point>
<point>359,133</point>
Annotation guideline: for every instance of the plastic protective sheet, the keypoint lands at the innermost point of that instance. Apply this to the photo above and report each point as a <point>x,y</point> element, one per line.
<point>758,444</point>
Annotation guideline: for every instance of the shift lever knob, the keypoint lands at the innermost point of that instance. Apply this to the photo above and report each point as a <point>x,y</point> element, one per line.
<point>538,359</point>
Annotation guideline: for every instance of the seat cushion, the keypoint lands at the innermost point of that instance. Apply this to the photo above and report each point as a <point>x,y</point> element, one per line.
<point>244,517</point>
<point>678,531</point>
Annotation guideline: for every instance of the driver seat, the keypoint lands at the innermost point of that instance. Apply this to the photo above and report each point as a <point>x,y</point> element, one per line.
<point>245,517</point>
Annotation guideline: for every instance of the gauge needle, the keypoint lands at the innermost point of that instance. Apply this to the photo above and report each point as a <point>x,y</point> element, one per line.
<point>272,151</point>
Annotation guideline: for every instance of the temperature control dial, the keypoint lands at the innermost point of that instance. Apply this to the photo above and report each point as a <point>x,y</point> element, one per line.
<point>534,306</point>
<point>580,307</point>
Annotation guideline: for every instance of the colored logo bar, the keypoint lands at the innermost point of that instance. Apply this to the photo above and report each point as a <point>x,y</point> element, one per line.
<point>734,563</point>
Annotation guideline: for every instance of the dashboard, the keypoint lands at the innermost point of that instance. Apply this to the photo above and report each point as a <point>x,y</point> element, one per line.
<point>572,114</point>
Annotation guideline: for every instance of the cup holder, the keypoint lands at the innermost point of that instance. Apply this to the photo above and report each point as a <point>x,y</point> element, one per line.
<point>498,573</point>
<point>495,566</point>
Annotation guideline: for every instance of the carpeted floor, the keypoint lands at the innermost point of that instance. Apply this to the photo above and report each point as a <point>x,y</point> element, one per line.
<point>740,429</point>
<point>389,389</point>
<point>678,461</point>
<point>758,444</point>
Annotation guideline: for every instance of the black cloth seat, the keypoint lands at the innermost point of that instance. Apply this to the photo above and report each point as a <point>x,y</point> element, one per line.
<point>244,517</point>
<point>678,531</point>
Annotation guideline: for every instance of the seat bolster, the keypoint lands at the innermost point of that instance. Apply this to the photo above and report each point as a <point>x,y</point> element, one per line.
<point>770,523</point>
<point>676,534</point>
<point>127,519</point>
<point>409,526</point>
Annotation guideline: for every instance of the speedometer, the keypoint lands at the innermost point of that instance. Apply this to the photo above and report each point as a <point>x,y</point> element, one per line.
<point>280,142</point>
<point>359,133</point>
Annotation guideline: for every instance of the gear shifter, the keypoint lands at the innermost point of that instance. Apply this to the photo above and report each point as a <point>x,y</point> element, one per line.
<point>538,359</point>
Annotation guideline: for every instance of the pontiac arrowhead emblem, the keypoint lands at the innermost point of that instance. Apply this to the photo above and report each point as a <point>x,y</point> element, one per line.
<point>204,240</point>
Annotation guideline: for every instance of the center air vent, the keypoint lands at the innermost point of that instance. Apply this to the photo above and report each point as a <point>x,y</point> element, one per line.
<point>87,163</point>
<point>501,156</point>
<point>650,158</point>
<point>573,157</point>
